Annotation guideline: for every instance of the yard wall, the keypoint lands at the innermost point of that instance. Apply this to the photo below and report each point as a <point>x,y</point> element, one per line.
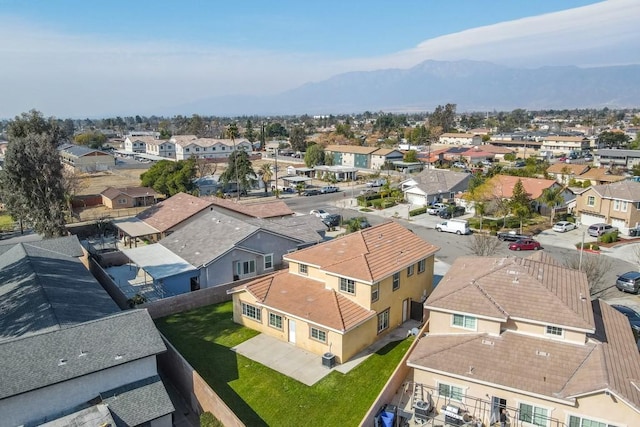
<point>108,284</point>
<point>393,384</point>
<point>200,397</point>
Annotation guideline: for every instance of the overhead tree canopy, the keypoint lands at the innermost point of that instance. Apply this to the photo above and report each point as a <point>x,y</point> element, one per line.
<point>169,178</point>
<point>31,182</point>
<point>297,139</point>
<point>239,169</point>
<point>314,156</point>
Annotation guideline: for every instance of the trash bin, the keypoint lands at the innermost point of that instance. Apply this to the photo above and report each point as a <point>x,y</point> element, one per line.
<point>329,360</point>
<point>634,232</point>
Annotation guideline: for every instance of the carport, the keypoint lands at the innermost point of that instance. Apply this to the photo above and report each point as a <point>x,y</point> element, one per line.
<point>132,229</point>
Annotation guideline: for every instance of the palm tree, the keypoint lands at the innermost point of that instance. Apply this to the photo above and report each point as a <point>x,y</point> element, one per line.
<point>552,197</point>
<point>232,132</point>
<point>265,174</point>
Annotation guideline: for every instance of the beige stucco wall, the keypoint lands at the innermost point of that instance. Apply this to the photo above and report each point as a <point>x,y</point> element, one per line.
<point>540,330</point>
<point>606,207</point>
<point>441,323</point>
<point>597,407</point>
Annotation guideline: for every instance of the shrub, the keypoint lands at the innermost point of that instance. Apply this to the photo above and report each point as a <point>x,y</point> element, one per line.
<point>593,246</point>
<point>609,237</point>
<point>208,420</point>
<point>418,211</point>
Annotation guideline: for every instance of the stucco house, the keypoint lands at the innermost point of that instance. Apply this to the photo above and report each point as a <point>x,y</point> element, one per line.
<point>565,172</point>
<point>354,156</point>
<point>340,296</point>
<point>161,147</point>
<point>614,157</point>
<point>433,185</point>
<point>522,334</point>
<point>558,145</point>
<point>224,249</point>
<point>502,188</point>
<point>68,354</point>
<point>460,139</point>
<point>188,146</point>
<point>617,204</point>
<point>383,158</point>
<point>137,143</point>
<point>128,197</point>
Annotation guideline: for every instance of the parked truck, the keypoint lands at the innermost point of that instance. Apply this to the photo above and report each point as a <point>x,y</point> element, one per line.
<point>458,226</point>
<point>512,236</point>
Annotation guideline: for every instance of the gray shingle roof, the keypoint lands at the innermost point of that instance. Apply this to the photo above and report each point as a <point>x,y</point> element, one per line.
<point>622,190</point>
<point>138,402</point>
<point>435,181</point>
<point>34,362</point>
<point>44,287</point>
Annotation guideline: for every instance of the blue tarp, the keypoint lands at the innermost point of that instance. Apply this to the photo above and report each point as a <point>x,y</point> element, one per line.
<point>387,418</point>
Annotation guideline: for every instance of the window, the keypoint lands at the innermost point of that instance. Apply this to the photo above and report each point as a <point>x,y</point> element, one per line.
<point>224,148</point>
<point>532,414</point>
<point>421,265</point>
<point>122,201</point>
<point>375,292</point>
<point>318,335</point>
<point>186,150</point>
<point>275,320</point>
<point>620,205</point>
<point>591,201</point>
<point>585,422</point>
<point>303,269</point>
<point>251,312</point>
<point>268,261</point>
<point>347,285</point>
<point>197,149</point>
<point>410,270</point>
<point>450,391</point>
<point>383,320</point>
<point>466,322</point>
<point>554,330</point>
<point>245,267</point>
<point>396,281</point>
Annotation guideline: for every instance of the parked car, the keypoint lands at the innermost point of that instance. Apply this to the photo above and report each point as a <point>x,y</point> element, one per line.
<point>332,220</point>
<point>459,165</point>
<point>311,192</point>
<point>486,162</point>
<point>450,212</point>
<point>629,282</point>
<point>632,315</point>
<point>376,183</point>
<point>588,158</point>
<point>458,226</point>
<point>288,190</point>
<point>435,208</point>
<point>320,213</point>
<point>562,159</point>
<point>563,226</point>
<point>597,230</point>
<point>329,189</point>
<point>519,164</point>
<point>512,236</point>
<point>525,245</point>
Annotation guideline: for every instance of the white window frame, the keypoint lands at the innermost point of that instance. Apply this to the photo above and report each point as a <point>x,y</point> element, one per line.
<point>274,319</point>
<point>347,286</point>
<point>591,201</point>
<point>464,319</point>
<point>375,292</point>
<point>383,320</point>
<point>422,266</point>
<point>624,206</point>
<point>251,267</point>
<point>396,281</point>
<point>317,334</point>
<point>303,269</point>
<point>449,394</point>
<point>411,269</point>
<point>534,407</point>
<point>268,265</point>
<point>581,420</point>
<point>252,312</point>
<point>554,331</point>
<point>616,205</point>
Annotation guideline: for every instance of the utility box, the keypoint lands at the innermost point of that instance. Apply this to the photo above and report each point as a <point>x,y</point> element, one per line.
<point>329,360</point>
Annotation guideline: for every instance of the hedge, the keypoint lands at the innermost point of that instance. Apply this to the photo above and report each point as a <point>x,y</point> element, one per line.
<point>609,237</point>
<point>592,246</point>
<point>418,211</point>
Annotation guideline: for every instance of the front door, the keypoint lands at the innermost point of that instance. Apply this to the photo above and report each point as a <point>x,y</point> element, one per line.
<point>292,331</point>
<point>405,310</point>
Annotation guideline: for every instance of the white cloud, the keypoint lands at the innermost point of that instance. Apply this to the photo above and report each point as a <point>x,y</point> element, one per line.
<point>68,75</point>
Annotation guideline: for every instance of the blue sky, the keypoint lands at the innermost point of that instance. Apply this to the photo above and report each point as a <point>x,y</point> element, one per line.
<point>89,58</point>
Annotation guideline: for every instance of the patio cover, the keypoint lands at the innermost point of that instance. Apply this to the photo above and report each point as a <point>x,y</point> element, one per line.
<point>134,227</point>
<point>158,261</point>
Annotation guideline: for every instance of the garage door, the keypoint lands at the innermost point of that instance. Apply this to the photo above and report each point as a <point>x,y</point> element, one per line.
<point>416,199</point>
<point>589,219</point>
<point>622,226</point>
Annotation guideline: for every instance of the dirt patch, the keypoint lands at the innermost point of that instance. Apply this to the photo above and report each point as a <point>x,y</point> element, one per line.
<point>96,183</point>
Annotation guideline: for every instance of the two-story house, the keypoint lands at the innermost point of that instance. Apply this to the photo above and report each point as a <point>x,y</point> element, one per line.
<point>522,334</point>
<point>342,295</point>
<point>351,155</point>
<point>558,145</point>
<point>188,146</point>
<point>609,157</point>
<point>137,144</point>
<point>460,139</point>
<point>161,147</point>
<point>617,204</point>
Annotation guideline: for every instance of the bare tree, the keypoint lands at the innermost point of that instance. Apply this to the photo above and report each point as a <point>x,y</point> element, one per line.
<point>483,245</point>
<point>595,267</point>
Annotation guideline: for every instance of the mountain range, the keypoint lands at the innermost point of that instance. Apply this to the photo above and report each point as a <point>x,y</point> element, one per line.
<point>472,85</point>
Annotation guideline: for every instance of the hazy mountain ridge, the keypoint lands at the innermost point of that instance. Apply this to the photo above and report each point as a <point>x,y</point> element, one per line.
<point>472,85</point>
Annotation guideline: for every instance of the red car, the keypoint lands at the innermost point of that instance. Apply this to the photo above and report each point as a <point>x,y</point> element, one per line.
<point>525,245</point>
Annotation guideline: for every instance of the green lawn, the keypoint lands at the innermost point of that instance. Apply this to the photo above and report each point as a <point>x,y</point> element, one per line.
<point>260,396</point>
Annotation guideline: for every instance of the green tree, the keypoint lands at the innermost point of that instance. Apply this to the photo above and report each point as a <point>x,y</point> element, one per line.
<point>31,182</point>
<point>510,157</point>
<point>275,130</point>
<point>552,197</point>
<point>384,124</point>
<point>169,178</point>
<point>520,203</point>
<point>91,139</point>
<point>443,117</point>
<point>240,171</point>
<point>265,173</point>
<point>411,156</point>
<point>314,156</point>
<point>249,133</point>
<point>613,139</point>
<point>196,126</point>
<point>297,139</point>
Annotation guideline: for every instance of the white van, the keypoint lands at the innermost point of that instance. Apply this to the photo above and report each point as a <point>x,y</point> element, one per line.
<point>458,226</point>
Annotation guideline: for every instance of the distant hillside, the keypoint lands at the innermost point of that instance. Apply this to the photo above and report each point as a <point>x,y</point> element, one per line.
<point>472,85</point>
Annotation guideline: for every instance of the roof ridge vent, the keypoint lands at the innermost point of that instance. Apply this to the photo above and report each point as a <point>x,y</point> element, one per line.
<point>62,362</point>
<point>487,342</point>
<point>542,353</point>
<point>515,280</point>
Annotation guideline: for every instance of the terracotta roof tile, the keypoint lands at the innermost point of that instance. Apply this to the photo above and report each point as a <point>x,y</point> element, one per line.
<point>173,211</point>
<point>602,174</point>
<point>571,168</point>
<point>503,185</point>
<point>356,149</point>
<point>112,192</point>
<point>272,209</point>
<point>368,255</point>
<point>307,299</point>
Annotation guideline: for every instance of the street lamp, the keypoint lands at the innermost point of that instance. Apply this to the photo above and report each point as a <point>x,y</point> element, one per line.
<point>581,251</point>
<point>276,171</point>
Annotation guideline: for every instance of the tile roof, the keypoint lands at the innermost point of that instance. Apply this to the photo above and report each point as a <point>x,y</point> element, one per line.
<point>602,174</point>
<point>112,192</point>
<point>609,360</point>
<point>36,294</point>
<point>501,288</point>
<point>564,138</point>
<point>369,255</point>
<point>570,168</point>
<point>184,140</point>
<point>276,208</point>
<point>457,135</point>
<point>385,151</point>
<point>146,139</point>
<point>356,149</point>
<point>503,185</point>
<point>34,362</point>
<point>307,299</point>
<point>622,190</point>
<point>172,211</point>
